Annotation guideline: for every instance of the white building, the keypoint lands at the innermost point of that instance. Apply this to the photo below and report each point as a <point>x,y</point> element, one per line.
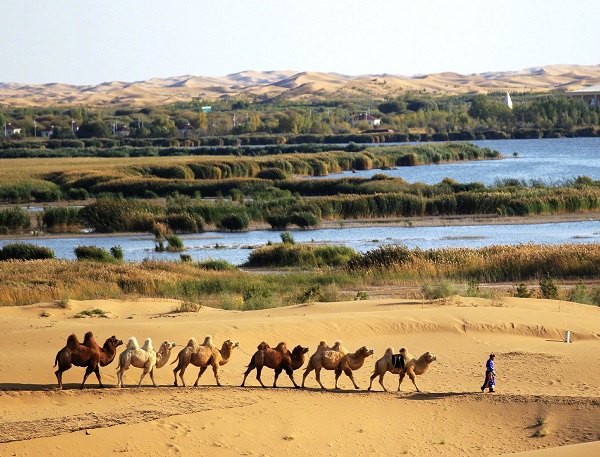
<point>507,100</point>
<point>10,130</point>
<point>591,94</point>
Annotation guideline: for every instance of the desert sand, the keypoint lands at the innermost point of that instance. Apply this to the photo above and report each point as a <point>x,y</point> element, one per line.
<point>545,387</point>
<point>296,85</point>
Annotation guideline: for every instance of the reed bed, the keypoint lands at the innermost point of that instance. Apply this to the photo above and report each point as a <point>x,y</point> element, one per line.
<point>26,282</point>
<point>521,262</point>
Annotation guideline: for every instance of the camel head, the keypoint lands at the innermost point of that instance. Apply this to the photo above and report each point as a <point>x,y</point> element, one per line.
<point>230,345</point>
<point>299,350</point>
<point>365,351</point>
<point>166,346</point>
<point>112,343</point>
<point>429,357</point>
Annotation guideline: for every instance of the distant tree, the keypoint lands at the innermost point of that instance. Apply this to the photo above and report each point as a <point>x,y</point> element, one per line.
<point>395,106</point>
<point>93,129</point>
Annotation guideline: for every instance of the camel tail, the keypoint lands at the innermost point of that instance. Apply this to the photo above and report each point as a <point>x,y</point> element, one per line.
<point>56,358</point>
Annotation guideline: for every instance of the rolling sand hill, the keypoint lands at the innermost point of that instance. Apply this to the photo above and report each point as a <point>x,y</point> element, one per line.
<point>547,400</point>
<point>295,85</point>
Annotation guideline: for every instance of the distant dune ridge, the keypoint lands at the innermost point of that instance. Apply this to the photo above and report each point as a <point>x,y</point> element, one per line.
<point>296,85</point>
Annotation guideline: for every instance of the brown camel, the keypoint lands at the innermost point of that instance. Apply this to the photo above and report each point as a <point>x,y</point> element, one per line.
<point>278,359</point>
<point>144,357</point>
<point>88,355</point>
<point>203,356</point>
<point>339,360</point>
<point>412,367</point>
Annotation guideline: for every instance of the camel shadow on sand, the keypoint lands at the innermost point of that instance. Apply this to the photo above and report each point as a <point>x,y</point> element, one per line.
<point>15,387</point>
<point>433,395</point>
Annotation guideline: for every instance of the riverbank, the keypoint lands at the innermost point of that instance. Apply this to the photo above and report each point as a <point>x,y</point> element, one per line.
<point>427,221</point>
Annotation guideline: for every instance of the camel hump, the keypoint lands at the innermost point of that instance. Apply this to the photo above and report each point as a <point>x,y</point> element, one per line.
<point>263,346</point>
<point>133,343</point>
<point>281,347</point>
<point>88,340</point>
<point>389,351</point>
<point>192,342</point>
<point>208,341</point>
<point>148,345</point>
<point>72,342</point>
<point>323,344</point>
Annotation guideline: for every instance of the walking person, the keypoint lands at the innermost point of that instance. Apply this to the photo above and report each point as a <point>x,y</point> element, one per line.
<point>490,375</point>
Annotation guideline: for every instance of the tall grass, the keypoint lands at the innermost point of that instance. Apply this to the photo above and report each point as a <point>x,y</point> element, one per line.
<point>489,264</point>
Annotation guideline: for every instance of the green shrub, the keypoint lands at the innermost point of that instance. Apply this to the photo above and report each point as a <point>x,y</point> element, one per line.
<point>117,252</point>
<point>175,243</point>
<point>14,218</point>
<point>441,288</point>
<point>278,222</point>
<point>304,219</point>
<point>580,294</point>
<point>287,237</point>
<point>272,173</point>
<point>187,307</point>
<point>522,291</point>
<point>25,251</point>
<point>234,222</point>
<point>548,288</point>
<point>93,253</point>
<point>216,264</point>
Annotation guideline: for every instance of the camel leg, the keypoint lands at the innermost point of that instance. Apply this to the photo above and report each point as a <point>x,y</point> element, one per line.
<point>309,368</point>
<point>88,371</point>
<point>381,381</point>
<point>59,374</point>
<point>181,369</point>
<point>400,379</point>
<point>144,373</point>
<point>414,380</point>
<point>318,376</point>
<point>251,367</point>
<point>373,376</point>
<point>277,373</point>
<point>152,377</point>
<point>338,373</point>
<point>97,371</point>
<point>258,372</point>
<point>216,373</point>
<point>290,373</point>
<point>349,373</point>
<point>200,373</point>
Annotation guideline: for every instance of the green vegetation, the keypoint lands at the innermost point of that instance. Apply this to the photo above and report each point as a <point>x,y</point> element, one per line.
<point>436,272</point>
<point>412,116</point>
<point>25,251</point>
<point>93,253</point>
<point>300,255</point>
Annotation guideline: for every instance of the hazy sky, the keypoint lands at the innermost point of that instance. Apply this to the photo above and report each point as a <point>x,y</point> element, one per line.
<point>89,42</point>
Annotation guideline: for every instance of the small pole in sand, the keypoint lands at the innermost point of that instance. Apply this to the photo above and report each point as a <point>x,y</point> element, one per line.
<point>568,336</point>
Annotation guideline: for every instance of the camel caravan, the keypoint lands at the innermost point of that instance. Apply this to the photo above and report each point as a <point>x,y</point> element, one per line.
<point>335,358</point>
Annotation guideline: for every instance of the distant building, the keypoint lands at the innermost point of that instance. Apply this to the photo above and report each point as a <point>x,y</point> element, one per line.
<point>47,132</point>
<point>371,120</point>
<point>590,95</point>
<point>10,130</point>
<point>122,130</point>
<point>507,100</point>
<point>186,130</point>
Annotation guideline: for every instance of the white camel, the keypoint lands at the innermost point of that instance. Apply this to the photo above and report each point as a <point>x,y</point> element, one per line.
<point>144,357</point>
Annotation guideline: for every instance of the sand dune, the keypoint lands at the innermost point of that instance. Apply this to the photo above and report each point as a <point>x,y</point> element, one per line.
<point>295,85</point>
<point>545,387</point>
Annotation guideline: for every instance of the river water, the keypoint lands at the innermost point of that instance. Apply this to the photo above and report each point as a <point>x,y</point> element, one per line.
<point>551,160</point>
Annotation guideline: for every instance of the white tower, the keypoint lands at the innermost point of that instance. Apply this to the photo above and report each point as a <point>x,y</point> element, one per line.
<point>507,100</point>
